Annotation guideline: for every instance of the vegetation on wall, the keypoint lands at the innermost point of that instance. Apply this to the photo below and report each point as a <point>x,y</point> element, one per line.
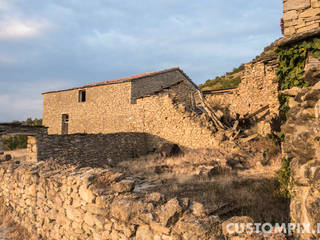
<point>229,80</point>
<point>284,179</point>
<point>19,142</point>
<point>292,59</point>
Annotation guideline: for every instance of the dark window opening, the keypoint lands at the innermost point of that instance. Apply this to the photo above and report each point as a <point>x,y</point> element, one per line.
<point>82,96</point>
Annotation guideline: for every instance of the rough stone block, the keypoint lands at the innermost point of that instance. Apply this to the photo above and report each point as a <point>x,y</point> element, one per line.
<point>311,12</point>
<point>308,28</point>
<point>296,5</point>
<point>290,15</point>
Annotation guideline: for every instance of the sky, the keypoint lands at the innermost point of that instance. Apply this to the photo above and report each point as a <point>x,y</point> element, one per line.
<point>53,44</point>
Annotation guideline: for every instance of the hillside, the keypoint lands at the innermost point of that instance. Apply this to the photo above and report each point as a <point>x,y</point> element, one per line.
<point>229,80</point>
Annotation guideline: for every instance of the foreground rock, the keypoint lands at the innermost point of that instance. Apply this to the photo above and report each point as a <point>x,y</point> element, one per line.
<point>301,147</point>
<point>68,203</point>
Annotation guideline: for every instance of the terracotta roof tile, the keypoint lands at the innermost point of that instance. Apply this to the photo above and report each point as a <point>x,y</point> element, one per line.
<point>137,76</point>
<point>126,79</point>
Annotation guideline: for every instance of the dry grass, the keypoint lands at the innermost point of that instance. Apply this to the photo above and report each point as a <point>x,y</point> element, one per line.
<point>13,231</point>
<point>246,192</point>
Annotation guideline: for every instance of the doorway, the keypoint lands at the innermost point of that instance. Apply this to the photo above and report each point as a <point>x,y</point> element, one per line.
<point>65,123</point>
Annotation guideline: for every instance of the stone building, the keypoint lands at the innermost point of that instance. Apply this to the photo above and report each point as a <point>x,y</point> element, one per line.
<point>111,106</point>
<point>162,104</point>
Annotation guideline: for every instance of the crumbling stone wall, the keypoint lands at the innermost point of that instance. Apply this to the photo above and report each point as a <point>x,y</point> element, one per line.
<point>169,120</point>
<point>258,88</point>
<point>68,203</point>
<point>300,16</point>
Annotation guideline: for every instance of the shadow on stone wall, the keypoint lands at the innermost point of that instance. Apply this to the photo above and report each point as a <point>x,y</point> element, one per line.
<point>96,150</point>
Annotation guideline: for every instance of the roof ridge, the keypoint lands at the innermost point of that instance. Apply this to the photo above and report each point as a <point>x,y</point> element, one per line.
<point>132,77</point>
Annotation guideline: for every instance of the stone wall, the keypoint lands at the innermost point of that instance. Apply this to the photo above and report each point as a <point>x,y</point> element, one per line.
<point>258,88</point>
<point>166,118</point>
<point>166,114</point>
<point>106,110</point>
<point>301,149</point>
<point>96,149</point>
<point>111,108</point>
<point>300,16</point>
<point>65,203</point>
<point>32,149</point>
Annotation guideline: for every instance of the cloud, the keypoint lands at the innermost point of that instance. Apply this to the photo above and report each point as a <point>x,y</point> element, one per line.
<point>49,45</point>
<point>5,5</point>
<point>11,29</point>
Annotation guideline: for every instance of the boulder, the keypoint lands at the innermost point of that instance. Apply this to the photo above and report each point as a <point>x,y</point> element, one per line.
<point>170,212</point>
<point>170,149</point>
<point>123,186</point>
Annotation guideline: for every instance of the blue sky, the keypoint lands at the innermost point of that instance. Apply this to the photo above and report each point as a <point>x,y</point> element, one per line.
<point>54,44</point>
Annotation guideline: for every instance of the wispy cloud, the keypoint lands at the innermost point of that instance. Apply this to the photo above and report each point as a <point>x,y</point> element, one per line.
<point>48,45</point>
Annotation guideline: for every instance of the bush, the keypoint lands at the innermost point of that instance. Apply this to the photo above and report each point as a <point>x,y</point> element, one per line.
<point>14,142</point>
<point>285,180</point>
<point>19,142</point>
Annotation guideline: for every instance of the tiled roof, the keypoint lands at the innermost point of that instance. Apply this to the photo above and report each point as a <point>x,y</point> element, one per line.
<point>127,79</point>
<point>137,76</point>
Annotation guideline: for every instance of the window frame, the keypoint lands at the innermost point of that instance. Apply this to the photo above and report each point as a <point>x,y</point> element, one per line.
<point>82,96</point>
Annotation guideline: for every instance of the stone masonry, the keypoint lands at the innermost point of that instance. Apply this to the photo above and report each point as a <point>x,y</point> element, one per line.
<point>111,106</point>
<point>300,16</point>
<point>92,204</point>
<point>161,105</point>
<point>258,88</point>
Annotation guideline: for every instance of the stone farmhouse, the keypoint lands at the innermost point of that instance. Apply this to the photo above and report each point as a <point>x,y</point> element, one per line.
<point>111,106</point>
<point>163,104</point>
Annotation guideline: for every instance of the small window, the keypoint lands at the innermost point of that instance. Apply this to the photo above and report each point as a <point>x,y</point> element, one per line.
<point>82,96</point>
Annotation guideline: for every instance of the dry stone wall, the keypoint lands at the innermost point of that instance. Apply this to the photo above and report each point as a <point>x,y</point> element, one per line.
<point>170,120</point>
<point>301,148</point>
<point>258,88</point>
<point>93,149</point>
<point>76,204</point>
<point>300,16</point>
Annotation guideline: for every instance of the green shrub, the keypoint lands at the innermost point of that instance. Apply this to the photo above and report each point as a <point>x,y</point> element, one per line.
<point>14,142</point>
<point>285,180</point>
<point>19,142</point>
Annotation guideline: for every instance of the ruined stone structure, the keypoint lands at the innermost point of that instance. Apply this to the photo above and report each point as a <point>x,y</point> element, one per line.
<point>300,16</point>
<point>162,104</point>
<point>92,204</point>
<point>258,90</point>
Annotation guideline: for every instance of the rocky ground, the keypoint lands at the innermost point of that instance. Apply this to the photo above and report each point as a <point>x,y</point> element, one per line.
<point>242,182</point>
<point>219,183</point>
<point>3,234</point>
